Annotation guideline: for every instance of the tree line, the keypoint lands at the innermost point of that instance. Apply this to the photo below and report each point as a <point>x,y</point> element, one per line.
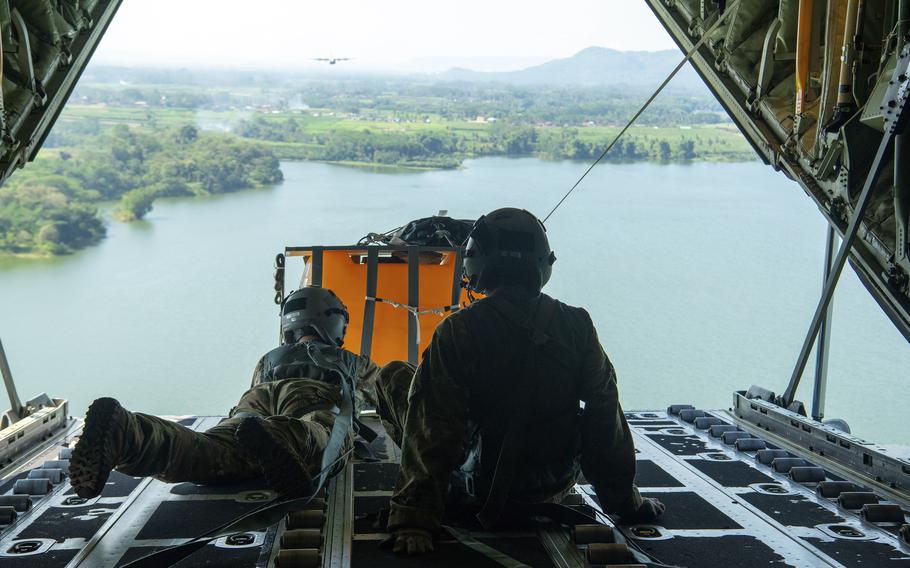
<point>453,101</point>
<point>52,206</point>
<point>448,147</point>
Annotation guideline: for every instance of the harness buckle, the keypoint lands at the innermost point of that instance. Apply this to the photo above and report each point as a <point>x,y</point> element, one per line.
<point>469,486</point>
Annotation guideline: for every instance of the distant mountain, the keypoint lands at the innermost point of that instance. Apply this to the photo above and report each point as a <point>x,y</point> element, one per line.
<point>490,63</point>
<point>594,66</point>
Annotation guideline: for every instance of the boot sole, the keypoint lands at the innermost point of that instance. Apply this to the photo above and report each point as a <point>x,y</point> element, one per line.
<point>93,456</point>
<point>280,466</point>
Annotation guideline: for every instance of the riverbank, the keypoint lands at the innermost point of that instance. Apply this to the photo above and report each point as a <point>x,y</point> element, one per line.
<point>51,208</point>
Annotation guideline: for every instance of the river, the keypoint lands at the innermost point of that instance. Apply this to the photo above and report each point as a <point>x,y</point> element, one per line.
<point>701,280</point>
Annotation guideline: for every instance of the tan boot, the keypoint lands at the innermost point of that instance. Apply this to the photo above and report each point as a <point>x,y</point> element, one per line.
<point>101,446</point>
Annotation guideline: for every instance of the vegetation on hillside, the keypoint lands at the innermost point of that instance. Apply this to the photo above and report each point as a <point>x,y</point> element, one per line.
<point>46,216</point>
<point>51,207</point>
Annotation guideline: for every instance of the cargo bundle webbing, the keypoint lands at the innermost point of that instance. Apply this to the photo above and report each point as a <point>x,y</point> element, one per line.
<point>396,295</point>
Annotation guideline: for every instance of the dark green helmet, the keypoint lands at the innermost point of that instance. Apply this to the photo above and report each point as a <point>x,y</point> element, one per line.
<point>508,247</point>
<point>313,309</point>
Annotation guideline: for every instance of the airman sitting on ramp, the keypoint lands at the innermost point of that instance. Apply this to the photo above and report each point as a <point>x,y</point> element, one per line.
<point>492,422</point>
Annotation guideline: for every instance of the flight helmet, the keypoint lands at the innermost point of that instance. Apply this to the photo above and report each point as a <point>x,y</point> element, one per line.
<point>508,246</point>
<point>313,309</point>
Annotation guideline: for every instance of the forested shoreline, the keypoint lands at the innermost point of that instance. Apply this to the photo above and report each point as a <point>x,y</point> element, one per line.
<point>52,206</point>
<point>132,144</point>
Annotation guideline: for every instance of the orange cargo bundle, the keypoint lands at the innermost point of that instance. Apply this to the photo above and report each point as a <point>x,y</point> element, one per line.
<point>396,295</point>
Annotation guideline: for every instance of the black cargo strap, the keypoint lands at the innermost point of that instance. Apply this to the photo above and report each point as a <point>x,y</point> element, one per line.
<point>497,556</point>
<point>557,512</point>
<point>344,420</point>
<point>526,383</point>
<point>365,431</point>
<point>273,513</point>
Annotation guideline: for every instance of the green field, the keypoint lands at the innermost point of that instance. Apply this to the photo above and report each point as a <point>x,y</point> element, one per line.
<point>424,141</point>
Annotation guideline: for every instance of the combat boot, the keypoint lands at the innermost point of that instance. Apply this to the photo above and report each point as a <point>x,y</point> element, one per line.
<point>102,445</point>
<point>284,470</point>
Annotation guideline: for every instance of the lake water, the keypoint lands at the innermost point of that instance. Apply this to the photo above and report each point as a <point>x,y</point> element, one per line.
<point>701,279</point>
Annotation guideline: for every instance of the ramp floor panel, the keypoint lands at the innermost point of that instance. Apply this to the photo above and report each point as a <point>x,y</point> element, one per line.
<point>450,554</point>
<point>208,556</point>
<point>748,551</point>
<point>776,520</point>
<point>688,511</point>
<point>684,445</point>
<point>71,522</point>
<point>731,473</point>
<point>649,474</point>
<point>196,517</point>
<point>375,476</point>
<point>793,510</point>
<point>862,554</point>
<point>118,485</point>
<point>49,558</point>
<point>232,489</point>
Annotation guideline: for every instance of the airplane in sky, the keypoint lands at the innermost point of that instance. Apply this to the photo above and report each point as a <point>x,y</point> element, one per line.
<point>332,60</point>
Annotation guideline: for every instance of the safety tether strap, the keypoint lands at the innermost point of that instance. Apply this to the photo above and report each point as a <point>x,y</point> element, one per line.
<point>273,513</point>
<point>526,383</point>
<point>344,421</point>
<point>416,311</point>
<point>497,556</point>
<point>365,431</point>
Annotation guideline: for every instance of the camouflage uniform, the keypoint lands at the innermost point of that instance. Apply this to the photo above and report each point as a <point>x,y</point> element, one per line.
<point>288,390</point>
<point>451,414</point>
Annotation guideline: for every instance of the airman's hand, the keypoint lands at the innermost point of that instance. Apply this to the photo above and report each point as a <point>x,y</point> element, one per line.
<point>413,542</point>
<point>649,510</point>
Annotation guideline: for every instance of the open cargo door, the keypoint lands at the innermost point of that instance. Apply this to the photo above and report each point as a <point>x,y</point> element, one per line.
<point>45,47</point>
<point>816,86</point>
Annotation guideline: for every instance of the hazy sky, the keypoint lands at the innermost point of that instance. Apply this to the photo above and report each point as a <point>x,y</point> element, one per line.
<point>279,33</point>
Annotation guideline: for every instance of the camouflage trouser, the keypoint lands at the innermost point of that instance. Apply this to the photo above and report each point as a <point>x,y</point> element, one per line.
<point>171,452</point>
<point>392,394</point>
<point>392,389</point>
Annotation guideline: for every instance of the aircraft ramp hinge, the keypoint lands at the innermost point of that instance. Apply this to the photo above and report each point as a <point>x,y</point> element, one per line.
<point>896,95</point>
<point>16,411</point>
<point>897,279</point>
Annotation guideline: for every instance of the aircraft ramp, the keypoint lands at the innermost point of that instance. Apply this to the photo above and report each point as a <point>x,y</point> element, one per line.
<point>733,499</point>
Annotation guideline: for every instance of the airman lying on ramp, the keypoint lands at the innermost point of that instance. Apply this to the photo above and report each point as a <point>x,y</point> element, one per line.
<point>293,423</point>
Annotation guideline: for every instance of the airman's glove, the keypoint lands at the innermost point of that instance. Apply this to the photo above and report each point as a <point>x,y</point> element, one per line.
<point>649,510</point>
<point>412,542</point>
